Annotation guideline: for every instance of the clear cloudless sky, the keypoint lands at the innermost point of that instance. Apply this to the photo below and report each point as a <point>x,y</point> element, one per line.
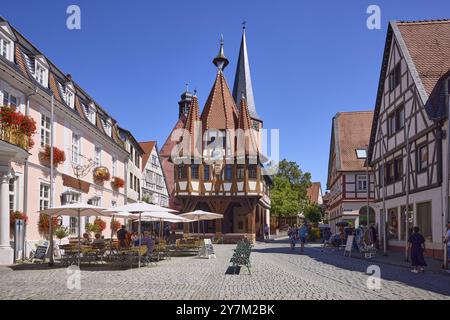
<point>309,59</point>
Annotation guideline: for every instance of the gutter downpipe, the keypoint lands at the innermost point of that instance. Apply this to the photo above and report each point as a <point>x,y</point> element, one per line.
<point>446,204</point>
<point>25,179</point>
<point>50,229</point>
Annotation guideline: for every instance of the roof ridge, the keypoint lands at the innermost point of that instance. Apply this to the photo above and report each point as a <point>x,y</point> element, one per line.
<point>430,21</point>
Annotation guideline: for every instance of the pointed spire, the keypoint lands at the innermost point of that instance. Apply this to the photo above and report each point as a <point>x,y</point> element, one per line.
<point>221,61</point>
<point>245,124</point>
<point>242,80</point>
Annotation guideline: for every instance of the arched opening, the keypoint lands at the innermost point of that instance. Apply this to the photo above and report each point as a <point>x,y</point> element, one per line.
<point>363,215</point>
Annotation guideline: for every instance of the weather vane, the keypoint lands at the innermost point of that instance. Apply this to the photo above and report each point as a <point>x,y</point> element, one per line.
<point>244,23</point>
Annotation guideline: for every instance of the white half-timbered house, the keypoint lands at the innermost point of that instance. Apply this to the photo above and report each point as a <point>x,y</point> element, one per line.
<point>408,139</point>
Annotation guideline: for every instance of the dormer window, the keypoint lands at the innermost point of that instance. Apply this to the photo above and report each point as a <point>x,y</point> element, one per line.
<point>70,98</point>
<point>107,126</point>
<point>41,74</point>
<point>7,40</point>
<point>89,111</point>
<point>4,48</point>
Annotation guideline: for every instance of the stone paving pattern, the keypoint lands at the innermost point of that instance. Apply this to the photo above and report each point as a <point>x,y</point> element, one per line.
<point>277,273</point>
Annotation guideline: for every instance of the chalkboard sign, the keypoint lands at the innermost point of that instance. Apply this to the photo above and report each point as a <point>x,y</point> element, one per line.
<point>207,250</point>
<point>41,251</point>
<point>349,245</point>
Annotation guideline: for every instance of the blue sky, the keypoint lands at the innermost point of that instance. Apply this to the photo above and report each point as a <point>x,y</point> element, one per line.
<point>309,59</point>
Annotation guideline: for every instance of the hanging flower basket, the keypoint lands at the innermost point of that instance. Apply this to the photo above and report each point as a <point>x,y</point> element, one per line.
<point>101,174</point>
<point>17,215</point>
<point>44,224</point>
<point>117,182</point>
<point>16,128</point>
<point>100,224</point>
<point>115,225</point>
<point>59,156</point>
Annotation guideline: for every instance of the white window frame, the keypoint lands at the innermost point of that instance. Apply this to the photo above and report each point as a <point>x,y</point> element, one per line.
<point>75,154</point>
<point>107,126</point>
<point>44,200</point>
<point>45,131</point>
<point>361,183</point>
<point>70,98</point>
<point>97,156</point>
<point>114,166</point>
<point>7,97</point>
<point>41,74</point>
<point>89,111</point>
<point>6,48</point>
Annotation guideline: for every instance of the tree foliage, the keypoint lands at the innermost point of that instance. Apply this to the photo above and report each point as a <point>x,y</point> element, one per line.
<point>289,194</point>
<point>313,213</point>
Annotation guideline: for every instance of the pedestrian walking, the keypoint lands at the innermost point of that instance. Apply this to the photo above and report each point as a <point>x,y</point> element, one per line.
<point>303,234</point>
<point>447,241</point>
<point>266,232</point>
<point>416,243</point>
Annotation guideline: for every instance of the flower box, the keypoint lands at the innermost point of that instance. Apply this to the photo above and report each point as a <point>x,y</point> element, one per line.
<point>16,128</point>
<point>58,156</point>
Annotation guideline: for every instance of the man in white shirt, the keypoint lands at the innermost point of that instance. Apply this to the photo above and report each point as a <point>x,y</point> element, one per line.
<point>447,240</point>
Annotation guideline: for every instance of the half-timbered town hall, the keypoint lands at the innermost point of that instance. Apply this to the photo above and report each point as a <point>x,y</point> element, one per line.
<point>235,185</point>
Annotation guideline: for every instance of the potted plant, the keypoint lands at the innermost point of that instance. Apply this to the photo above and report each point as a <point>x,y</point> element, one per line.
<point>61,233</point>
<point>101,174</point>
<point>58,156</point>
<point>117,182</point>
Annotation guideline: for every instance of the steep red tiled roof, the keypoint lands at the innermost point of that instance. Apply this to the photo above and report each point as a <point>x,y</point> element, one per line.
<point>220,111</point>
<point>193,118</point>
<point>428,43</point>
<point>167,165</point>
<point>352,130</point>
<point>313,192</point>
<point>54,87</point>
<point>21,63</point>
<point>148,148</point>
<point>169,144</point>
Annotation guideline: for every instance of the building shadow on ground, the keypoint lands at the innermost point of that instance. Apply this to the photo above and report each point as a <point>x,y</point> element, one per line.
<point>438,283</point>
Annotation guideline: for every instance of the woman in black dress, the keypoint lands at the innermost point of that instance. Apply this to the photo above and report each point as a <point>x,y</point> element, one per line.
<point>417,246</point>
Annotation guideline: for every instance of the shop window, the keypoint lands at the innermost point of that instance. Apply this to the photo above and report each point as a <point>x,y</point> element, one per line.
<point>424,219</point>
<point>393,224</point>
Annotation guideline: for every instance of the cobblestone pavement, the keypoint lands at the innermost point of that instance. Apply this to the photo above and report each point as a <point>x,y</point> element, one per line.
<point>277,273</point>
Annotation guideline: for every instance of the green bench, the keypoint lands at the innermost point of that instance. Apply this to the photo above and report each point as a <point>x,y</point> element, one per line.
<point>241,256</point>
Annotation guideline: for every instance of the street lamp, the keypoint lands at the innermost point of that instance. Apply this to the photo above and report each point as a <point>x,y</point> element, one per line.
<point>361,153</point>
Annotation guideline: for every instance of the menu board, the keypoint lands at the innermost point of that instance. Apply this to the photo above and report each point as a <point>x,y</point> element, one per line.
<point>207,249</point>
<point>349,245</point>
<point>41,251</point>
